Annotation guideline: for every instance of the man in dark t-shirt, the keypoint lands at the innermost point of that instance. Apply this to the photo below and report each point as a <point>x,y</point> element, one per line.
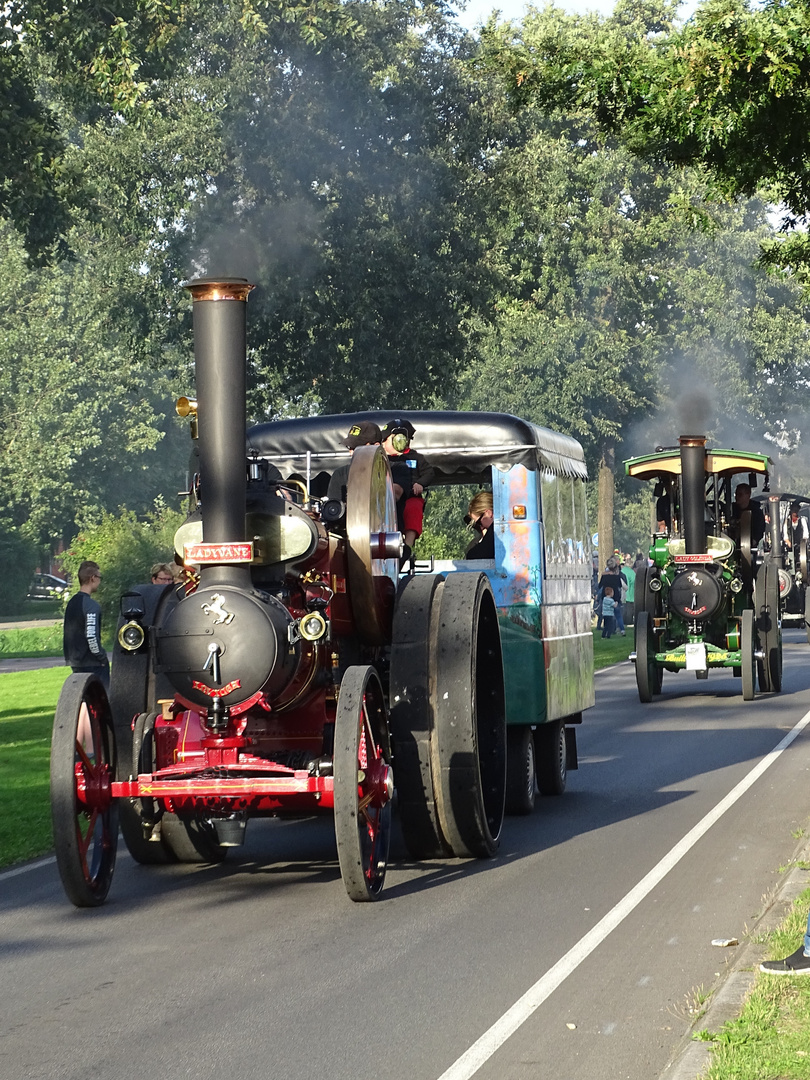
<point>81,635</point>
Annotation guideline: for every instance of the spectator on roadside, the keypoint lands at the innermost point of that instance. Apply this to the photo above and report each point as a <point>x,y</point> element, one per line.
<point>162,574</point>
<point>798,963</point>
<point>608,618</point>
<point>612,578</point>
<point>81,635</point>
<point>629,575</point>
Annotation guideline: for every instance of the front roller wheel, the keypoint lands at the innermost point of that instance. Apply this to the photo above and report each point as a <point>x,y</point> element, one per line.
<point>766,600</point>
<point>85,817</point>
<point>648,676</point>
<point>468,743</point>
<point>364,783</point>
<point>747,654</point>
<point>139,816</point>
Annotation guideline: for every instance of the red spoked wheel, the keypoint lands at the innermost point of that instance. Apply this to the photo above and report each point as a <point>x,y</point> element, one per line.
<point>85,816</point>
<point>363,783</point>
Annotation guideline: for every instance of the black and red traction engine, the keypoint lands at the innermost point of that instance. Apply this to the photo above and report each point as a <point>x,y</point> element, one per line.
<point>262,686</point>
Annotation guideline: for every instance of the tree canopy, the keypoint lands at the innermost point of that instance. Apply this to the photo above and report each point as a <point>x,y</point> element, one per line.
<point>728,90</point>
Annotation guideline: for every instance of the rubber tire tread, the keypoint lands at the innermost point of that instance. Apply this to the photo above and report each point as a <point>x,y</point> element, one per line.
<point>552,758</point>
<point>411,714</point>
<point>521,770</point>
<point>747,655</point>
<point>80,892</point>
<point>143,851</point>
<point>353,688</point>
<point>469,718</point>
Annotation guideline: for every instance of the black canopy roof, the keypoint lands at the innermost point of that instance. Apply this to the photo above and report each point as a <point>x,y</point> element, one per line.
<point>460,446</point>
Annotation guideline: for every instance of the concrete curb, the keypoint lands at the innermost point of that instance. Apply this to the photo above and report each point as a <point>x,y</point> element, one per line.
<point>693,1058</point>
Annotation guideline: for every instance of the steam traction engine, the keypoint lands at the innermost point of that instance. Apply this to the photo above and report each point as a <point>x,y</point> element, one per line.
<point>710,599</point>
<point>291,675</point>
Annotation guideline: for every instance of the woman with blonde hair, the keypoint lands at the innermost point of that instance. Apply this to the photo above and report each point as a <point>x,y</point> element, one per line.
<point>480,517</point>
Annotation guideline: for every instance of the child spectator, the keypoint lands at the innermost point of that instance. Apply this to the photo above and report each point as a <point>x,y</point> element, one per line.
<point>411,475</point>
<point>608,618</point>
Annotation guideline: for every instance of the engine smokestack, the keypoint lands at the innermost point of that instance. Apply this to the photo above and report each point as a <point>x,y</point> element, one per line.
<point>220,351</point>
<point>693,492</point>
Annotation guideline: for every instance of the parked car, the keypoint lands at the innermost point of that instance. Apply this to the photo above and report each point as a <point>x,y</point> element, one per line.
<point>47,587</point>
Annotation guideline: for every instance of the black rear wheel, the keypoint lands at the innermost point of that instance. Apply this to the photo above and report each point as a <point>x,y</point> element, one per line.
<point>552,758</point>
<point>85,816</point>
<point>521,779</point>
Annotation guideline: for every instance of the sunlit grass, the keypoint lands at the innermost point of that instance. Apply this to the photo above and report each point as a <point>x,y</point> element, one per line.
<point>771,1037</point>
<point>27,704</point>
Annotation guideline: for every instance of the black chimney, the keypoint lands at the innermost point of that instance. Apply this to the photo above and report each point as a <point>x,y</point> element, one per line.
<point>220,352</point>
<point>693,492</point>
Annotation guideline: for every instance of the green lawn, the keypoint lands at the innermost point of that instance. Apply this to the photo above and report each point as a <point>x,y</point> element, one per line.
<point>27,706</point>
<point>771,1037</point>
<point>614,650</point>
<point>31,641</point>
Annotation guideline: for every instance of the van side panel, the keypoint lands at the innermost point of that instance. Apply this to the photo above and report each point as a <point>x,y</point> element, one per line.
<point>545,619</point>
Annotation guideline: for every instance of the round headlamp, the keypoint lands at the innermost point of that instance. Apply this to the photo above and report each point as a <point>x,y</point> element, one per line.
<point>131,636</point>
<point>312,627</point>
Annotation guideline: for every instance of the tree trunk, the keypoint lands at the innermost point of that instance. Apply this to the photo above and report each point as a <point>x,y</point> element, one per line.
<point>605,512</point>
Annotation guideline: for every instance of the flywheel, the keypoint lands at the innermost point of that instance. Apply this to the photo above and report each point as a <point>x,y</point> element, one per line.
<point>373,544</point>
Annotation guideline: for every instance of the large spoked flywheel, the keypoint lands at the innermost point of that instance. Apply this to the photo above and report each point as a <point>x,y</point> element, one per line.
<point>371,526</point>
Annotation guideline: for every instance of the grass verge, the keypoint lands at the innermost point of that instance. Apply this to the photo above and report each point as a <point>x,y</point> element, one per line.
<point>26,719</point>
<point>771,1037</point>
<point>613,650</point>
<point>31,642</point>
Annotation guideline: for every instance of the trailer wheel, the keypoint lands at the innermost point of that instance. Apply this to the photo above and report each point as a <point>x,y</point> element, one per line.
<point>747,654</point>
<point>135,814</point>
<point>521,770</point>
<point>363,781</point>
<point>766,599</point>
<point>648,676</point>
<point>85,816</point>
<point>411,720</point>
<point>469,736</point>
<point>552,758</point>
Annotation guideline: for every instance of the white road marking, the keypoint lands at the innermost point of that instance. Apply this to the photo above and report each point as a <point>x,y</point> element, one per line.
<point>28,866</point>
<point>482,1050</point>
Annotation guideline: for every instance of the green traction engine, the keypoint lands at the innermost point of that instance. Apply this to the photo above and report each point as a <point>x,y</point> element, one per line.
<point>710,599</point>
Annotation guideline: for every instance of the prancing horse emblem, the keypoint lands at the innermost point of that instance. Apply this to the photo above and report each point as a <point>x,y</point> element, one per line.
<point>217,607</point>
<point>695,579</point>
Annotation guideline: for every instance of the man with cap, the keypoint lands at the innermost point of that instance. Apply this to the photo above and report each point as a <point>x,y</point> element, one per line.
<point>795,532</point>
<point>363,433</point>
<point>411,475</point>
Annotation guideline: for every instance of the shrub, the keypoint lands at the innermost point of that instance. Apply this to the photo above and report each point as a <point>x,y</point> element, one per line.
<point>19,559</point>
<point>125,547</point>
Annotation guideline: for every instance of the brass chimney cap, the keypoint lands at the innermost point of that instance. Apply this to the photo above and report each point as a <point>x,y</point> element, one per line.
<point>219,288</point>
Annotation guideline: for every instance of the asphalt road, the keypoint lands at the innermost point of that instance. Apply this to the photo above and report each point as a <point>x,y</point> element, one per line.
<point>262,968</point>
